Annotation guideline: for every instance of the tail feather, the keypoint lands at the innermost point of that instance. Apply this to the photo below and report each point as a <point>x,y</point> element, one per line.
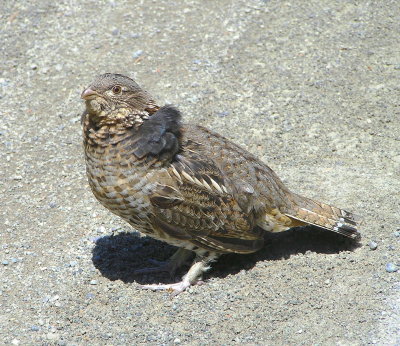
<point>325,216</point>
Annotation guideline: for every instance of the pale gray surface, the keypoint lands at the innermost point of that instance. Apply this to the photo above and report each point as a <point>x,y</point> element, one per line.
<point>310,87</point>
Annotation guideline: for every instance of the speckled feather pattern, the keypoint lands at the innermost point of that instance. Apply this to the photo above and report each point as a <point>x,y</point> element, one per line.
<point>185,184</point>
<point>223,194</point>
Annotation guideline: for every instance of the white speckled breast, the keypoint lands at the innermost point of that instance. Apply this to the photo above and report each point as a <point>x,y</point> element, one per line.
<point>121,184</point>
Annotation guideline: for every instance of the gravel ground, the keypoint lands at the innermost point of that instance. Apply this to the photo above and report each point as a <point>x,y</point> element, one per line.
<point>310,87</point>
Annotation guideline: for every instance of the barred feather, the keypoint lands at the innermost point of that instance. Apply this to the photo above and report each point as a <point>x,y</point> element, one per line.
<point>325,216</point>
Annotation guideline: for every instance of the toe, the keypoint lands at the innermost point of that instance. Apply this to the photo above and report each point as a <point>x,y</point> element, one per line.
<point>176,288</point>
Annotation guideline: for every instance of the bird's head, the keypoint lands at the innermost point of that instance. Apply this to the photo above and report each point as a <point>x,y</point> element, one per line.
<point>114,98</point>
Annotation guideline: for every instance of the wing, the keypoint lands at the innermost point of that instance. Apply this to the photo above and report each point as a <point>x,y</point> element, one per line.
<point>197,205</point>
<point>159,134</point>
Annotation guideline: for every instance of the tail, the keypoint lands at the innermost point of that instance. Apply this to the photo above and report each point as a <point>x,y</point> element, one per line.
<point>305,211</point>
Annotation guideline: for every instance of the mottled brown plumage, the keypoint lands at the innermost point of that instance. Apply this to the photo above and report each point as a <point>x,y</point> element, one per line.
<point>185,184</point>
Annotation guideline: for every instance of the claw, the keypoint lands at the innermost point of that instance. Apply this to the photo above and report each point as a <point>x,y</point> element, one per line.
<point>191,278</point>
<point>176,288</point>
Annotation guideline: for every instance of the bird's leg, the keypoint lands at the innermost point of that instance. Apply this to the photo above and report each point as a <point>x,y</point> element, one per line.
<point>199,266</point>
<point>170,266</point>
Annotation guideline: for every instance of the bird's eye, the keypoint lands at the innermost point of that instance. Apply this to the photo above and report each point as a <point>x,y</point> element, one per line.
<point>116,89</point>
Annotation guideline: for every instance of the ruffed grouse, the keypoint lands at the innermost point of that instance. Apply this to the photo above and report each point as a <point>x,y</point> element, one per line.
<point>185,184</point>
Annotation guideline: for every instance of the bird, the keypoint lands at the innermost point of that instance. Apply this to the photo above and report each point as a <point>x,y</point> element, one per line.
<point>185,184</point>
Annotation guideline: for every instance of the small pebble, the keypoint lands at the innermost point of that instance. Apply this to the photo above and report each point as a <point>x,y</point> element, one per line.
<point>137,54</point>
<point>94,239</point>
<point>115,32</point>
<point>373,245</point>
<point>222,114</point>
<point>53,336</point>
<point>35,328</point>
<point>4,82</point>
<point>101,229</point>
<point>397,234</point>
<point>54,298</point>
<point>73,263</point>
<point>52,204</point>
<point>391,268</point>
<point>4,262</point>
<point>14,260</point>
<point>93,282</point>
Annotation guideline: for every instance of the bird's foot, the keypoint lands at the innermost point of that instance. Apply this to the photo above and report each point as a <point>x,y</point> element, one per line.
<point>175,288</point>
<point>199,266</point>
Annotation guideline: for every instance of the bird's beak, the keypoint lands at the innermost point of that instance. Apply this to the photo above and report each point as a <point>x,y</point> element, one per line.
<point>88,94</point>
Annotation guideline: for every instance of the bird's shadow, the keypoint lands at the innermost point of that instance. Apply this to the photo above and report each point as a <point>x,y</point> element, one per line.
<point>117,257</point>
